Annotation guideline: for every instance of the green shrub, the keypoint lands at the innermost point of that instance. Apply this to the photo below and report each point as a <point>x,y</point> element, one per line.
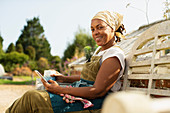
<point>42,64</point>
<point>10,60</point>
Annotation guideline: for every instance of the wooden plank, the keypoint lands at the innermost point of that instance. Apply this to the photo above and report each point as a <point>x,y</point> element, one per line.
<point>152,91</point>
<point>160,92</point>
<point>139,76</point>
<point>163,60</point>
<point>152,66</point>
<point>161,76</point>
<point>146,76</point>
<point>140,63</point>
<point>163,46</point>
<point>144,90</point>
<point>145,50</point>
<point>161,69</point>
<point>141,70</point>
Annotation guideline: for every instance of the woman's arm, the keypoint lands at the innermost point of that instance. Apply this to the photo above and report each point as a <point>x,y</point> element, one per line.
<point>71,79</point>
<point>105,79</point>
<point>66,79</point>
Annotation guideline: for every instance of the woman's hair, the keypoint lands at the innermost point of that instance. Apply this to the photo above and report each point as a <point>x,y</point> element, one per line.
<point>121,29</point>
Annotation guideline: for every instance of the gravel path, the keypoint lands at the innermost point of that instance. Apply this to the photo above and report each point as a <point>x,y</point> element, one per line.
<point>9,93</point>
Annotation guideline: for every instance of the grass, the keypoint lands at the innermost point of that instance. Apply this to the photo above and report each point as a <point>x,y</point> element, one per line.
<point>24,80</point>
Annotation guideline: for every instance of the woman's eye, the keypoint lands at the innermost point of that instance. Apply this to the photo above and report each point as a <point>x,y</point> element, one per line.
<point>92,29</point>
<point>101,27</point>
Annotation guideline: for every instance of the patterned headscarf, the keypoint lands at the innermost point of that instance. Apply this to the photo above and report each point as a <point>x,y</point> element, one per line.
<point>113,19</point>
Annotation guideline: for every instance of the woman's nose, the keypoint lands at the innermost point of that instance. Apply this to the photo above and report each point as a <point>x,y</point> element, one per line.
<point>96,32</point>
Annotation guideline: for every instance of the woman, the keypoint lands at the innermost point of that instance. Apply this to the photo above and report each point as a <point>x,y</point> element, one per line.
<point>100,75</point>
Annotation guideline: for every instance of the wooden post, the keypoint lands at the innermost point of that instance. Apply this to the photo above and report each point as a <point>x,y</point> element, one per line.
<point>152,66</point>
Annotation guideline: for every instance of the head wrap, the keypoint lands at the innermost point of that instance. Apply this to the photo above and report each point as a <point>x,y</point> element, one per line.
<point>113,19</point>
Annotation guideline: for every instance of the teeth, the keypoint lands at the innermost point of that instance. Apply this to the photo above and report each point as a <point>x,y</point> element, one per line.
<point>99,37</point>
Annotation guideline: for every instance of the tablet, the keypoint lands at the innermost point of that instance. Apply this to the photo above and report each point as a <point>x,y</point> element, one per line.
<point>39,74</point>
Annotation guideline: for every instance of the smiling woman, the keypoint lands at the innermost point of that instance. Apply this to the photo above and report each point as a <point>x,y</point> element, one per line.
<point>100,76</point>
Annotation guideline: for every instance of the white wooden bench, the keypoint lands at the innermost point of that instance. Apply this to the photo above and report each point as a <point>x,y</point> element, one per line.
<point>147,71</point>
<point>148,63</point>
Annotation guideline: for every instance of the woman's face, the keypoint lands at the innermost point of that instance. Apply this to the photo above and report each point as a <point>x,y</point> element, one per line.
<point>102,33</point>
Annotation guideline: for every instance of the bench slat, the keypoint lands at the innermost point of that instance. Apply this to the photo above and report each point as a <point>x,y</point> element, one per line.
<point>160,92</point>
<point>145,50</point>
<point>152,91</point>
<point>163,60</point>
<point>144,90</point>
<point>147,76</point>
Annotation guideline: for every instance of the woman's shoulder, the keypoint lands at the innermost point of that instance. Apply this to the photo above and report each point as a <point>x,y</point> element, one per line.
<point>114,49</point>
<point>97,50</point>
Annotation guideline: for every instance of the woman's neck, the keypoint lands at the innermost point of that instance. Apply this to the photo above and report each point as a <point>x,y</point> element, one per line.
<point>108,45</point>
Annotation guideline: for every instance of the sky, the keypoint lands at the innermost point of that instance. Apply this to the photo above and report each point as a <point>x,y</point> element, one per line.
<point>62,18</point>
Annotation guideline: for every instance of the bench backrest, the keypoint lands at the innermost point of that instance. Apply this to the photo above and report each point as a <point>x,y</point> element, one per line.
<point>148,63</point>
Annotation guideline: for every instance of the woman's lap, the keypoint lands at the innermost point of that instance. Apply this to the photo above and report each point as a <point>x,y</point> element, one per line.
<point>61,106</point>
<point>42,101</point>
<point>32,101</point>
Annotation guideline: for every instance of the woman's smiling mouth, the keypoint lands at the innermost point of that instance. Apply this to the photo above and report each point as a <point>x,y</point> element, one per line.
<point>98,38</point>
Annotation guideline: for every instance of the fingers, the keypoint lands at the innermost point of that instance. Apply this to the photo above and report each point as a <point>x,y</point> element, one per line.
<point>46,84</point>
<point>52,82</point>
<point>62,95</point>
<point>56,74</point>
<point>68,98</point>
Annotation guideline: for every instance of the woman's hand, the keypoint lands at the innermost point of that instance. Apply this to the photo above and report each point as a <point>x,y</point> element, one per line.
<point>59,77</point>
<point>52,86</point>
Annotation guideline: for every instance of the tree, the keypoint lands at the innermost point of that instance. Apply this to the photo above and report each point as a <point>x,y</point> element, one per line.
<point>167,10</point>
<point>32,64</point>
<point>55,60</point>
<point>82,39</point>
<point>11,48</point>
<point>19,48</point>
<point>69,52</point>
<point>88,50</point>
<point>10,60</point>
<point>43,49</point>
<point>1,45</point>
<point>30,51</point>
<point>42,64</point>
<point>33,35</point>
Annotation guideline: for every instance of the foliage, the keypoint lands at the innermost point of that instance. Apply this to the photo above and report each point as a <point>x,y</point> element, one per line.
<point>43,49</point>
<point>30,51</point>
<point>69,52</point>
<point>167,10</point>
<point>42,64</point>
<point>82,39</point>
<point>33,35</point>
<point>55,60</point>
<point>76,49</point>
<point>11,48</point>
<point>22,71</point>
<point>10,60</point>
<point>19,48</point>
<point>32,65</point>
<point>1,45</point>
<point>89,51</point>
